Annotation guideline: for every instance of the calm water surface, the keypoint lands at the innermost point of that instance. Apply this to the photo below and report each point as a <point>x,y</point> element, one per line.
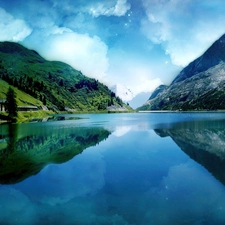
<point>114,169</point>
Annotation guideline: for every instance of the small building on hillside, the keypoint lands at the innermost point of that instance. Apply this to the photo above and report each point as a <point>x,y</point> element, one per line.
<point>20,108</point>
<point>27,108</point>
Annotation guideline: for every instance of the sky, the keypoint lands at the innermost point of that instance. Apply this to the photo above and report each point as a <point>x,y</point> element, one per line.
<point>137,43</point>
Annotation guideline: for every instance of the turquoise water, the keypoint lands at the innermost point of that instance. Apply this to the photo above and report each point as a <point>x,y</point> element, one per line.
<point>137,169</point>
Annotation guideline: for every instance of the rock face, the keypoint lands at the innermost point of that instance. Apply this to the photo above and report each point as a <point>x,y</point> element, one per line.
<point>157,91</point>
<point>212,57</point>
<point>199,86</point>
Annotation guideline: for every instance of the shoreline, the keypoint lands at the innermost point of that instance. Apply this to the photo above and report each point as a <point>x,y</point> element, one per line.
<point>177,111</point>
<point>24,117</point>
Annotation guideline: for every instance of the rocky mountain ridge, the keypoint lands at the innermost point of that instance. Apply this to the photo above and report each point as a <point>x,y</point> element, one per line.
<point>199,86</point>
<point>212,57</point>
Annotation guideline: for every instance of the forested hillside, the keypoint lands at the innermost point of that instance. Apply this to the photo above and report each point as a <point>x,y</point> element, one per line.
<point>55,84</point>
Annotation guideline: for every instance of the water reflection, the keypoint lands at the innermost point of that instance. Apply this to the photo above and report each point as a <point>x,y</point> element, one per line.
<point>12,139</point>
<point>25,152</point>
<point>137,176</point>
<point>203,141</point>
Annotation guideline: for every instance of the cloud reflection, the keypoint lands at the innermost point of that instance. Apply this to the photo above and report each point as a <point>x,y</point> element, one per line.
<point>121,130</point>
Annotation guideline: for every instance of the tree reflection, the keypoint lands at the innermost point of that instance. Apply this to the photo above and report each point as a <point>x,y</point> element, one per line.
<point>12,138</point>
<point>27,151</point>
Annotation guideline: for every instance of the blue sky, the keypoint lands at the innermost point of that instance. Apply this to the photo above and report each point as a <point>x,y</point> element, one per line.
<point>137,43</point>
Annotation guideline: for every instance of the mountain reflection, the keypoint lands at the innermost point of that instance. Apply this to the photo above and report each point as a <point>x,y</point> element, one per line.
<point>203,141</point>
<point>26,151</point>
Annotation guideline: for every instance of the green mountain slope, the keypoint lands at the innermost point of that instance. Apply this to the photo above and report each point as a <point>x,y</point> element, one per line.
<point>55,84</point>
<point>23,99</point>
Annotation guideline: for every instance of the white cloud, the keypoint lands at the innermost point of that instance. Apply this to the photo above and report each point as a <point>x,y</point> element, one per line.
<point>85,53</point>
<point>12,29</point>
<point>185,29</point>
<point>142,79</point>
<point>119,9</point>
<point>191,198</point>
<point>148,85</point>
<point>133,72</point>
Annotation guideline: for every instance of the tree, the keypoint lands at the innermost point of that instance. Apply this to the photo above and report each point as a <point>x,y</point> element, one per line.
<point>44,100</point>
<point>61,83</point>
<point>11,104</point>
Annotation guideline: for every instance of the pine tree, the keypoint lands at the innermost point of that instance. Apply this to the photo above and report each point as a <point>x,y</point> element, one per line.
<point>11,104</point>
<point>44,100</point>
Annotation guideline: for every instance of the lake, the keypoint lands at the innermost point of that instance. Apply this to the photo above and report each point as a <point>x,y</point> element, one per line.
<point>114,169</point>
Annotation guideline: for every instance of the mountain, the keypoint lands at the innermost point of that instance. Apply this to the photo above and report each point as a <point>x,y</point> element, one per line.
<point>139,99</point>
<point>157,91</point>
<point>23,99</point>
<point>56,84</point>
<point>123,92</point>
<point>212,57</point>
<point>127,96</point>
<point>199,86</point>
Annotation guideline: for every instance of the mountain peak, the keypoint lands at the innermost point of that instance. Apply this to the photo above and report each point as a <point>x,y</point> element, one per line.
<point>123,92</point>
<point>20,51</point>
<point>212,56</point>
<point>199,86</point>
<point>10,47</point>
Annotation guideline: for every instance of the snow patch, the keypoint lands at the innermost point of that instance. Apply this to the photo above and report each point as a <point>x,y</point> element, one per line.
<point>123,92</point>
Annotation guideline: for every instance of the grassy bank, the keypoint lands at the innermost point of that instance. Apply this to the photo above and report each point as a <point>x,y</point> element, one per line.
<point>41,114</point>
<point>28,116</point>
<point>31,115</point>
